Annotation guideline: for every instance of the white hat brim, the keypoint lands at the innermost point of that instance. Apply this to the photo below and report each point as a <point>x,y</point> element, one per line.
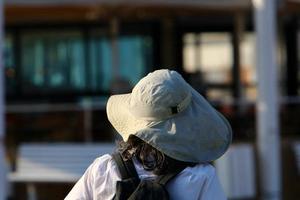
<point>119,115</point>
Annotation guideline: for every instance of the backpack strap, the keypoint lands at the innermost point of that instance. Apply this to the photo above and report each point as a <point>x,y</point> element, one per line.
<point>126,168</point>
<point>164,179</point>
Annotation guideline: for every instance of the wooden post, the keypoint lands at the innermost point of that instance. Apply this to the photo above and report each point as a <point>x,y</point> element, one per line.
<point>239,25</point>
<point>115,58</point>
<point>168,42</point>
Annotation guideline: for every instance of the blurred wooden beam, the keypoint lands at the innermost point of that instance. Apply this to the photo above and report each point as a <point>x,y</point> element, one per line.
<point>94,12</point>
<point>197,3</point>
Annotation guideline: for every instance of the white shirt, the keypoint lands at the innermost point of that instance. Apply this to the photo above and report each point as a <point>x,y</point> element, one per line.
<point>193,183</point>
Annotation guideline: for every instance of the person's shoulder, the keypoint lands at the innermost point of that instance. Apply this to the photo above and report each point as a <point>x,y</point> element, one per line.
<point>102,163</point>
<point>93,180</point>
<point>206,171</point>
<point>193,181</point>
<point>106,158</point>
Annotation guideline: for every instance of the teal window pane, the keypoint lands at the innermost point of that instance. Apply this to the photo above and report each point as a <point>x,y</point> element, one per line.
<point>135,52</point>
<point>9,64</point>
<point>53,60</point>
<point>135,59</point>
<point>100,63</point>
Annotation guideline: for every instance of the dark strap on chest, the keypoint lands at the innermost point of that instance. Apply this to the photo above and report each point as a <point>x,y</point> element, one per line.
<point>164,179</point>
<point>126,168</point>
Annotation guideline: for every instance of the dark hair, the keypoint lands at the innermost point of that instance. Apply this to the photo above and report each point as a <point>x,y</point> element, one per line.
<point>150,158</point>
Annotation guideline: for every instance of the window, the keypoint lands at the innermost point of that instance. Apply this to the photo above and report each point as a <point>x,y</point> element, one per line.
<point>134,56</point>
<point>9,64</point>
<point>208,58</point>
<point>74,61</point>
<point>248,69</point>
<point>52,60</point>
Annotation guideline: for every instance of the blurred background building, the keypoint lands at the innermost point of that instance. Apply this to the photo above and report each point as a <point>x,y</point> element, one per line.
<point>63,58</point>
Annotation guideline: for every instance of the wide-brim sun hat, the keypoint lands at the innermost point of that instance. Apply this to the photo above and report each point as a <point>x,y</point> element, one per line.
<point>166,112</point>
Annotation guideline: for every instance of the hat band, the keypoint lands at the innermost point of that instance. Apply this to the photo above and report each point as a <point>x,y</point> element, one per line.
<point>159,113</point>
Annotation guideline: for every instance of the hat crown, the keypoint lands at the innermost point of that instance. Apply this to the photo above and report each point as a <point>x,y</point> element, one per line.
<point>158,92</point>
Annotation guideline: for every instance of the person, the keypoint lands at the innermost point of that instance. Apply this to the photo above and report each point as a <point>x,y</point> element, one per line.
<point>165,125</point>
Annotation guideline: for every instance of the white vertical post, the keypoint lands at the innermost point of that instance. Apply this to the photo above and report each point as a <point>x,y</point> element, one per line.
<point>3,180</point>
<point>268,139</point>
